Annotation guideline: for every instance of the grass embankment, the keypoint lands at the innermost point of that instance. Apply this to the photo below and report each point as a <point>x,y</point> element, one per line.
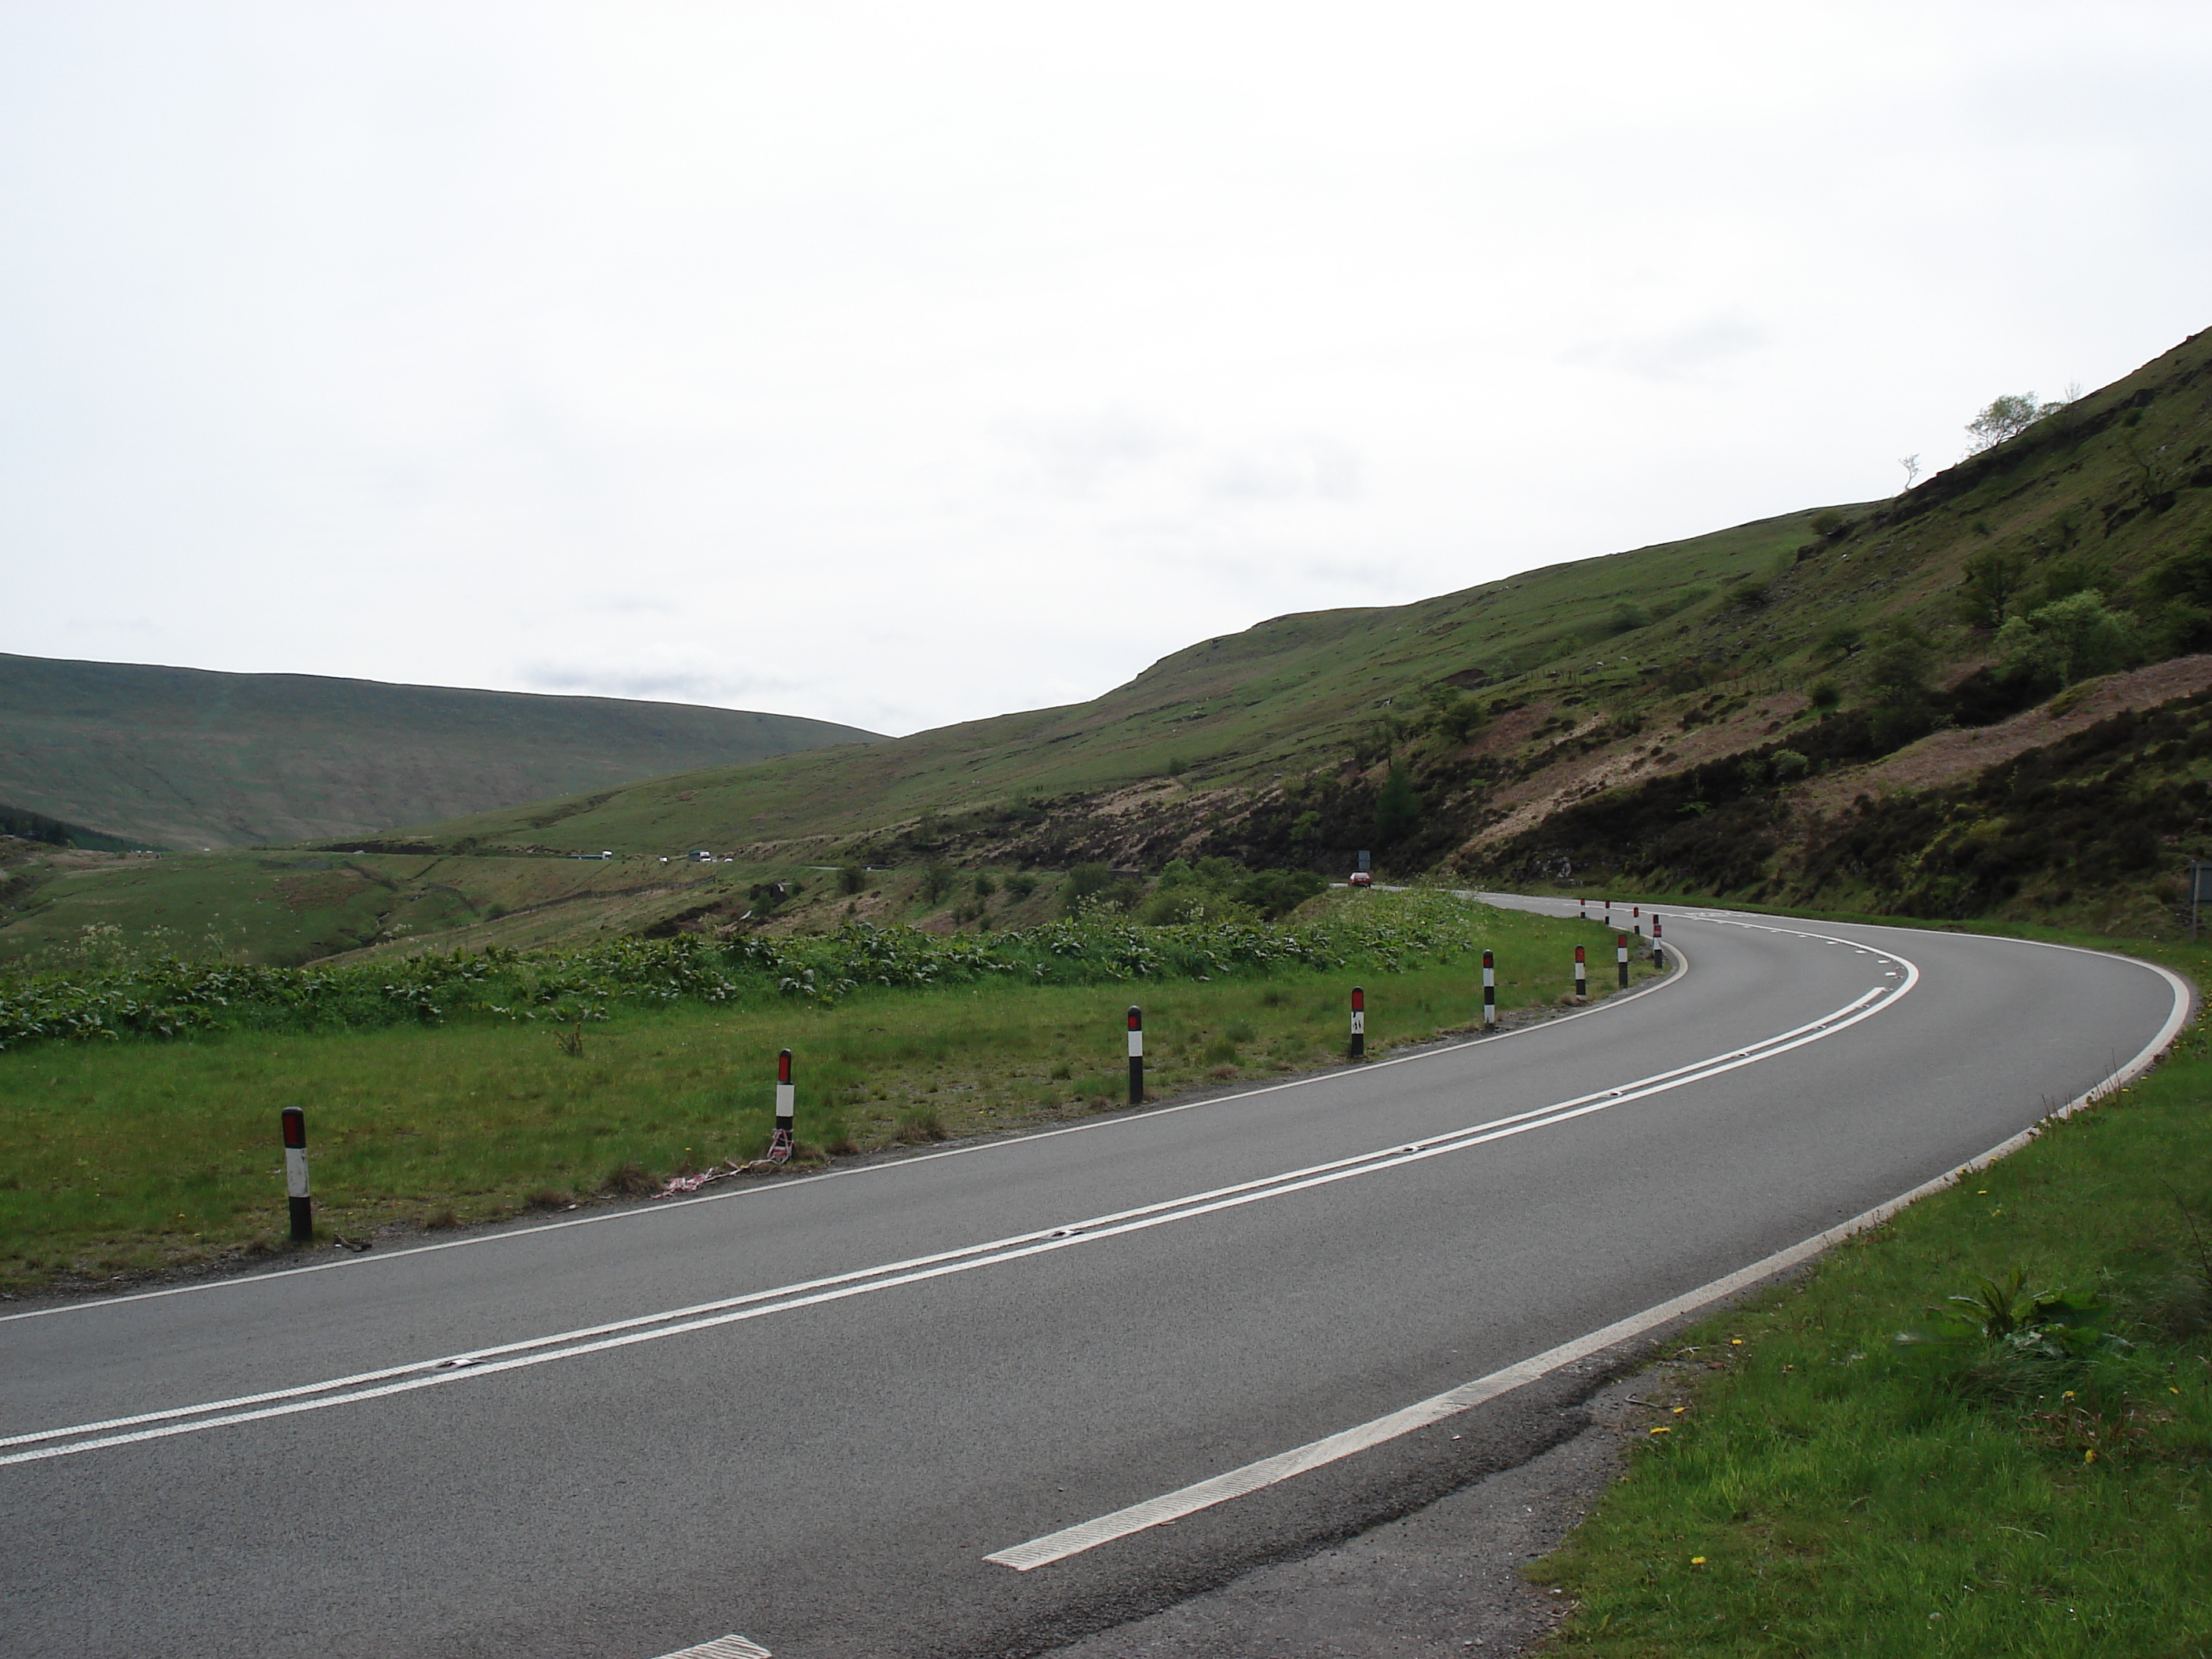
<point>126,1158</point>
<point>1831,1490</point>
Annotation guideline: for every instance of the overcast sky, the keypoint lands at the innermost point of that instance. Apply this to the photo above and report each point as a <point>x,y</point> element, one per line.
<point>902,363</point>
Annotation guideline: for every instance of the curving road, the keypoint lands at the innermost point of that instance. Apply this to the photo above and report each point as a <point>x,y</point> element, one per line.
<point>970,1402</point>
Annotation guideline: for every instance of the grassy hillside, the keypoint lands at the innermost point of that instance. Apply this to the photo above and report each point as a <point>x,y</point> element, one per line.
<point>183,757</point>
<point>1581,719</point>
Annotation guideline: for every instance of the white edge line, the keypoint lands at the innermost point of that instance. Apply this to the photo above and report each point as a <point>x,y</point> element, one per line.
<point>1615,998</point>
<point>1072,1541</point>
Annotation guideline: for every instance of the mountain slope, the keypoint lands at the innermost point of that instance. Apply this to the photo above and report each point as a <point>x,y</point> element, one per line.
<point>1275,743</point>
<point>187,758</point>
<point>1613,714</point>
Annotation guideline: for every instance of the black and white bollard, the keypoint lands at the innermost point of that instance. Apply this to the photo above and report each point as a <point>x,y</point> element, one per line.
<point>1358,1023</point>
<point>787,1111</point>
<point>1658,949</point>
<point>295,1175</point>
<point>1583,914</point>
<point>1136,1055</point>
<point>1489,991</point>
<point>1621,952</point>
<point>1582,976</point>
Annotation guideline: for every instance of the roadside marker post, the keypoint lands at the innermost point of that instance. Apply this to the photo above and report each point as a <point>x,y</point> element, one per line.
<point>1358,1023</point>
<point>787,1115</point>
<point>1136,1055</point>
<point>295,1175</point>
<point>1489,991</point>
<point>1621,954</point>
<point>1582,976</point>
<point>1657,949</point>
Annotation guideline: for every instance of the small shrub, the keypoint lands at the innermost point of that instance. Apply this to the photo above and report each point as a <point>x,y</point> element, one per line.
<point>917,1125</point>
<point>629,1180</point>
<point>851,880</point>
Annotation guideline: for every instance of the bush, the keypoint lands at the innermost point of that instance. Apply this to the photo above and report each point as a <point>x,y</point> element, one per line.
<point>2072,639</point>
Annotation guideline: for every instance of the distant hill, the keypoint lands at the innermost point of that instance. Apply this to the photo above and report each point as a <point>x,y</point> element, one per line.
<point>185,757</point>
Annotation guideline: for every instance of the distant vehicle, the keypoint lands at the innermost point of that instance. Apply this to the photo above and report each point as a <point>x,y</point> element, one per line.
<point>1361,879</point>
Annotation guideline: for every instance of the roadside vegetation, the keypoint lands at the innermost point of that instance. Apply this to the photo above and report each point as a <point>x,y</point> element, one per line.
<point>128,1157</point>
<point>1984,1428</point>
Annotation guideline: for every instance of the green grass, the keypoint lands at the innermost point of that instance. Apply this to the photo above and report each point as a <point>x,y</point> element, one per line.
<point>1830,1491</point>
<point>125,1158</point>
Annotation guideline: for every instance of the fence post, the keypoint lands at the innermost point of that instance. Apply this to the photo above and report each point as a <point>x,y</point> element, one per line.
<point>787,1095</point>
<point>295,1175</point>
<point>1136,1055</point>
<point>1358,1023</point>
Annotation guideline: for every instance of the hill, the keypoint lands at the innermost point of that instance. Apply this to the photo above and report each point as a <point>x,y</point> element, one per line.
<point>1700,716</point>
<point>187,758</point>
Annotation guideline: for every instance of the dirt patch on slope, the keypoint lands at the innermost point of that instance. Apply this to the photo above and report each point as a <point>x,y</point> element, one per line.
<point>1948,755</point>
<point>1649,755</point>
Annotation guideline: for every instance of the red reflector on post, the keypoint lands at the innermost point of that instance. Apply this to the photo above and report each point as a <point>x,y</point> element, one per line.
<point>1136,1017</point>
<point>783,1067</point>
<point>295,1127</point>
<point>1359,1000</point>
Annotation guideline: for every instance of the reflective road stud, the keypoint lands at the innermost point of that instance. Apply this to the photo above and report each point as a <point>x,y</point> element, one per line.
<point>1489,991</point>
<point>1620,951</point>
<point>1358,1023</point>
<point>1136,1055</point>
<point>295,1175</point>
<point>1582,976</point>
<point>787,1097</point>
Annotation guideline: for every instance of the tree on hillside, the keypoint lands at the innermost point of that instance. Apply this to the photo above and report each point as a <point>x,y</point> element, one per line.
<point>1993,582</point>
<point>1397,807</point>
<point>2007,416</point>
<point>2070,639</point>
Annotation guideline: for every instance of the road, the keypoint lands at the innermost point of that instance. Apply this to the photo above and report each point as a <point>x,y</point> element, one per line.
<point>811,1411</point>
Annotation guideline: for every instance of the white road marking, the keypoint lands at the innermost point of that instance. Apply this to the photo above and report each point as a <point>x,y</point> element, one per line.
<point>1271,1471</point>
<point>648,1328</point>
<point>723,1647</point>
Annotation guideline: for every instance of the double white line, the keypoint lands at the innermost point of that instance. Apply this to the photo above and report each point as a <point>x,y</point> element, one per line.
<point>707,1315</point>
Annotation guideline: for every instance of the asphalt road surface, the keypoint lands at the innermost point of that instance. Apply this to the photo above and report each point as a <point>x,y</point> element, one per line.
<point>811,1413</point>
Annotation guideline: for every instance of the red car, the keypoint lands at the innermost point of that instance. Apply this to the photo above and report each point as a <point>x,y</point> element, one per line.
<point>1361,879</point>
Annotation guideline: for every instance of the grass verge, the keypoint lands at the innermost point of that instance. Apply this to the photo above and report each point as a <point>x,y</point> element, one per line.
<point>2036,1490</point>
<point>127,1159</point>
